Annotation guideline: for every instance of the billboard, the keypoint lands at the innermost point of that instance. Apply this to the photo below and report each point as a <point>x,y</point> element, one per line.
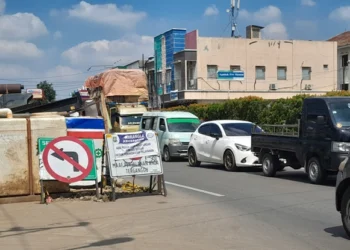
<point>37,93</point>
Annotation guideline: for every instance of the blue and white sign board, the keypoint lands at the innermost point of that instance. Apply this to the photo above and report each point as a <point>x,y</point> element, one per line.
<point>134,153</point>
<point>229,75</point>
<point>174,95</point>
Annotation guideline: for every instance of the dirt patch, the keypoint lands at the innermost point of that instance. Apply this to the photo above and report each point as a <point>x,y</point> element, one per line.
<point>15,184</point>
<point>122,190</point>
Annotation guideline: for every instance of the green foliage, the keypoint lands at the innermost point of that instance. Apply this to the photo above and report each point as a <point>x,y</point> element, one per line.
<point>48,90</point>
<point>254,109</point>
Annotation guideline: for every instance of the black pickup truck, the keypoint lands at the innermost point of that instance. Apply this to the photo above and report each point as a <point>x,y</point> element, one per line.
<point>319,141</point>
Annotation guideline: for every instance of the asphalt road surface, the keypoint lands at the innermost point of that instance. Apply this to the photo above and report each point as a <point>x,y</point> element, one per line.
<point>285,209</point>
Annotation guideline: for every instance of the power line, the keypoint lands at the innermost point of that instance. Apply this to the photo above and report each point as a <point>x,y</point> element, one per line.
<point>49,77</point>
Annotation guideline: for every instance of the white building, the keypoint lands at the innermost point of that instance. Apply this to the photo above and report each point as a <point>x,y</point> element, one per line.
<point>343,40</point>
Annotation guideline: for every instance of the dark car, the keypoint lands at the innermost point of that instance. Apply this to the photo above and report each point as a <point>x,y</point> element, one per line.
<point>343,193</point>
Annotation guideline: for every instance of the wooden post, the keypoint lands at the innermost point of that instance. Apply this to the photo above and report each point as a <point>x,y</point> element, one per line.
<point>104,112</point>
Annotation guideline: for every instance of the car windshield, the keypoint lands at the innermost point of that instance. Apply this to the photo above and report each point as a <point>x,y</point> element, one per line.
<point>341,113</point>
<point>130,120</point>
<point>182,124</point>
<point>240,129</point>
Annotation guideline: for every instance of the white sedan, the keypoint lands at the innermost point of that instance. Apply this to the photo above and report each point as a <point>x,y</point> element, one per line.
<point>225,142</point>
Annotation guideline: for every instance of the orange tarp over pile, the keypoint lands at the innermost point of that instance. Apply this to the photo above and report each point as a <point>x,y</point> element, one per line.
<point>120,82</point>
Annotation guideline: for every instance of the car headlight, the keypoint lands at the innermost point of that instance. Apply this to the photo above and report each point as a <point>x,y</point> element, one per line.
<point>242,147</point>
<point>340,147</point>
<point>175,142</point>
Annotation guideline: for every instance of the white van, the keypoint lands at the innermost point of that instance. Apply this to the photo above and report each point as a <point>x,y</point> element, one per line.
<point>174,131</point>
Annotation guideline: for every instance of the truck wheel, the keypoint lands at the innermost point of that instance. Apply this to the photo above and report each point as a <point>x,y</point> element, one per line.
<point>315,172</point>
<point>192,158</point>
<point>345,211</point>
<point>270,165</point>
<point>166,154</point>
<point>230,161</point>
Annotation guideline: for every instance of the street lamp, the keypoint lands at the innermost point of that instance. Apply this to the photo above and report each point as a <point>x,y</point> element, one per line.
<point>105,66</point>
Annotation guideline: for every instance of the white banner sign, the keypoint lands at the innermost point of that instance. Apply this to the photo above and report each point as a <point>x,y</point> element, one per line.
<point>134,154</point>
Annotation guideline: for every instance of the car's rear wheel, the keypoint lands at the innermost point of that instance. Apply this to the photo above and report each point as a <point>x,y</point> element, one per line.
<point>345,211</point>
<point>192,158</point>
<point>230,161</point>
<point>270,165</point>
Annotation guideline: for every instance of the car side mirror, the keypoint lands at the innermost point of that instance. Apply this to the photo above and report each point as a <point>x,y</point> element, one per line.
<point>162,128</point>
<point>215,135</point>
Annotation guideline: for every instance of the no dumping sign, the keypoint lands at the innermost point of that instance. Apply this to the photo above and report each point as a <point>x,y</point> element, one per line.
<point>67,159</point>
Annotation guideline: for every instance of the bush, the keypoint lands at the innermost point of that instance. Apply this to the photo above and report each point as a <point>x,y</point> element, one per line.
<point>254,109</point>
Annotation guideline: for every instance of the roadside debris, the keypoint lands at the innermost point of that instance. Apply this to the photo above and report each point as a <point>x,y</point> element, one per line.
<point>123,188</point>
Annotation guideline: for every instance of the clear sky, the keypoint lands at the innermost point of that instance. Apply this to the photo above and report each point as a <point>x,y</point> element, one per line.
<point>59,40</point>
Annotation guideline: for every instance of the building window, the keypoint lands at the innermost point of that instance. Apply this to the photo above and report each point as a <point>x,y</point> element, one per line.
<point>211,71</point>
<point>260,72</point>
<point>281,73</point>
<point>168,76</point>
<point>345,60</point>
<point>235,67</point>
<point>159,78</point>
<point>325,66</point>
<point>306,73</point>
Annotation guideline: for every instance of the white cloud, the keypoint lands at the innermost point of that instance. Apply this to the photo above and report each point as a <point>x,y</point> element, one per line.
<point>21,26</point>
<point>309,3</point>
<point>57,35</point>
<point>107,52</point>
<point>275,31</point>
<point>18,50</point>
<point>211,10</point>
<point>10,71</point>
<point>340,14</point>
<point>110,14</point>
<point>266,15</point>
<point>2,6</point>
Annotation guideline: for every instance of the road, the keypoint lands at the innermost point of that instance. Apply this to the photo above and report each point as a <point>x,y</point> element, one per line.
<point>206,208</point>
<point>285,209</point>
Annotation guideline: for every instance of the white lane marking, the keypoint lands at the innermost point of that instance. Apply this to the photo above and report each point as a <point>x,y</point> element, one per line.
<point>194,189</point>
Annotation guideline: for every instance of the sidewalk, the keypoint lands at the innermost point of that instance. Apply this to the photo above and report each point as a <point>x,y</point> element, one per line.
<point>180,221</point>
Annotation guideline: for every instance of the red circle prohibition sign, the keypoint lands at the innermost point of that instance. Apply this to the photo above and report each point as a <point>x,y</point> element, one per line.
<point>52,146</point>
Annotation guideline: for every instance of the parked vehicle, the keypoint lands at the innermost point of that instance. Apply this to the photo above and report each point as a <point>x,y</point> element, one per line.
<point>174,130</point>
<point>342,194</point>
<point>317,143</point>
<point>126,117</point>
<point>223,142</point>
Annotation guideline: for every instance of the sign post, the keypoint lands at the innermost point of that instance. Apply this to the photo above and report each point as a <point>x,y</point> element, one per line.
<point>67,159</point>
<point>230,75</point>
<point>135,154</point>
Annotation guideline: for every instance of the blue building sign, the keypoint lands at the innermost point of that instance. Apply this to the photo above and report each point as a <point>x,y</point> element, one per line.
<point>174,95</point>
<point>229,75</point>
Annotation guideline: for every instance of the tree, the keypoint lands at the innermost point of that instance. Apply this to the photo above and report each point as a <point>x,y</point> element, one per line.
<point>48,91</point>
